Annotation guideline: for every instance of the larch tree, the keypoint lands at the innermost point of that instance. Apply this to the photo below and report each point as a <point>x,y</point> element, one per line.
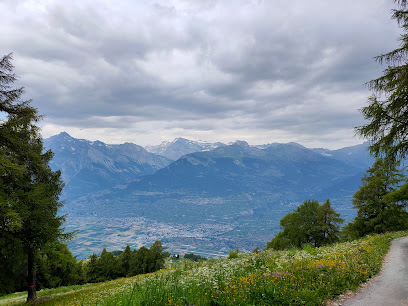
<point>328,225</point>
<point>124,261</point>
<point>387,109</point>
<point>379,202</point>
<point>29,189</point>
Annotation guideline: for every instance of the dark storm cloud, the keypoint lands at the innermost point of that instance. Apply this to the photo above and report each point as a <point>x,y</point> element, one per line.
<point>187,68</point>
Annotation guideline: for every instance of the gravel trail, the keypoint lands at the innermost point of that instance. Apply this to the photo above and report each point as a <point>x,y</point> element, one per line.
<point>390,287</point>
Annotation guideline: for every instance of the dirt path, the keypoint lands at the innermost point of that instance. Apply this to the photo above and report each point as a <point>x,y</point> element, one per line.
<point>390,287</point>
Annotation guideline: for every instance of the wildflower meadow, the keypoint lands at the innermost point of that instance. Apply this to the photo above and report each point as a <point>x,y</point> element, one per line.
<point>309,276</point>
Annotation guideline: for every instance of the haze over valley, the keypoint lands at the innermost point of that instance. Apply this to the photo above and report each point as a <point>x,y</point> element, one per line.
<point>205,198</point>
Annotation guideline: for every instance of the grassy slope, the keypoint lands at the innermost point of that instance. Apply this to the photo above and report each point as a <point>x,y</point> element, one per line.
<point>295,277</point>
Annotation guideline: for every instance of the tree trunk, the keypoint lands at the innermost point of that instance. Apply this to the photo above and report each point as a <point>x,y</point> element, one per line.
<point>32,292</point>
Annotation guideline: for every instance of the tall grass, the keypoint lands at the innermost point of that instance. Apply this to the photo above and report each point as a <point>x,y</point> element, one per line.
<point>296,277</point>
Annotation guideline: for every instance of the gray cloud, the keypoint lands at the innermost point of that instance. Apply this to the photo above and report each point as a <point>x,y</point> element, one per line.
<point>259,70</point>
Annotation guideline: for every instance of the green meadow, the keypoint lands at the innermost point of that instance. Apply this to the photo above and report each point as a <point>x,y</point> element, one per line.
<point>309,276</point>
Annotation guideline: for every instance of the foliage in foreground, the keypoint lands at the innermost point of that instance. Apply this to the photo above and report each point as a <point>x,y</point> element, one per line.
<point>380,202</point>
<point>29,189</point>
<point>387,110</point>
<point>295,277</point>
<point>310,223</point>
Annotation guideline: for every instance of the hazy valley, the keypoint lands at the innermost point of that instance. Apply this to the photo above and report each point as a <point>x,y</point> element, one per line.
<point>213,198</point>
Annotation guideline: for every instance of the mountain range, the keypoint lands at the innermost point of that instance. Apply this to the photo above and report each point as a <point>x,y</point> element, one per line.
<point>357,156</point>
<point>90,166</point>
<point>180,146</point>
<point>243,190</point>
<point>242,169</point>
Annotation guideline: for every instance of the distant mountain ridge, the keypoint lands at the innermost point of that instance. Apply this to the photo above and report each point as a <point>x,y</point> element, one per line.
<point>90,166</point>
<point>180,146</point>
<point>240,168</point>
<point>357,156</point>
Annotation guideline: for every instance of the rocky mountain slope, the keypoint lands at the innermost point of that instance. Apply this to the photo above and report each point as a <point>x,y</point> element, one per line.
<point>89,167</point>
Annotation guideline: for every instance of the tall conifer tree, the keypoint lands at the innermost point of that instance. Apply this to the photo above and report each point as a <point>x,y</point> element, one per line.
<point>29,189</point>
<point>387,111</point>
<point>379,208</point>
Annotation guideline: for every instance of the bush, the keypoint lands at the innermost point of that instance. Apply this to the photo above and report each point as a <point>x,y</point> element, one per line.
<point>233,254</point>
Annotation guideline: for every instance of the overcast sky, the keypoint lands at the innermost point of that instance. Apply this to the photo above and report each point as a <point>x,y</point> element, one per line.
<point>148,71</point>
